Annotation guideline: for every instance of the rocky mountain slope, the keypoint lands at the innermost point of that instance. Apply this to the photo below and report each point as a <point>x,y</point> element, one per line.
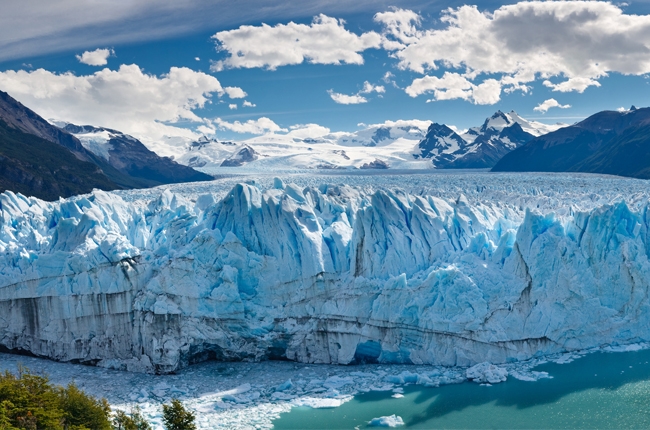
<point>38,159</point>
<point>609,142</point>
<point>129,156</point>
<point>479,147</point>
<point>19,117</point>
<point>34,166</point>
<point>43,160</point>
<point>441,144</point>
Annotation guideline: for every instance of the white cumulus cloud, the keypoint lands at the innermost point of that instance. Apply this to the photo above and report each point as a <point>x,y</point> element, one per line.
<point>261,125</point>
<point>127,99</point>
<point>370,88</point>
<point>345,99</point>
<point>455,86</point>
<point>232,106</point>
<point>248,104</point>
<point>400,27</point>
<point>98,57</point>
<point>550,103</point>
<point>575,42</point>
<point>303,131</point>
<point>324,41</point>
<point>357,98</point>
<point>572,84</point>
<point>235,92</point>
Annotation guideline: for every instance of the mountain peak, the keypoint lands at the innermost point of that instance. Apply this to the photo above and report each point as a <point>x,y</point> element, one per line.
<point>439,140</point>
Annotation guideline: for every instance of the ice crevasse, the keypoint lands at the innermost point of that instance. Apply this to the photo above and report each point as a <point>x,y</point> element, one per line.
<point>331,274</point>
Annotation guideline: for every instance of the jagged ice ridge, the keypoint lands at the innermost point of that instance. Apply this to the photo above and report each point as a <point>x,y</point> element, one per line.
<point>515,267</point>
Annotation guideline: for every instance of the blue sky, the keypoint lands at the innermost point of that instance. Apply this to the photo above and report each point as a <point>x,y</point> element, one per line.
<point>439,61</point>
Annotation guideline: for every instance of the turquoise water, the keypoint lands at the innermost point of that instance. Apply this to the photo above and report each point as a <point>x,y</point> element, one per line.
<point>599,390</point>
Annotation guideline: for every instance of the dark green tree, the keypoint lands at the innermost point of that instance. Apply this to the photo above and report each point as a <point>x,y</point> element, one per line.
<point>29,401</point>
<point>5,408</point>
<point>176,417</point>
<point>132,421</point>
<point>82,411</point>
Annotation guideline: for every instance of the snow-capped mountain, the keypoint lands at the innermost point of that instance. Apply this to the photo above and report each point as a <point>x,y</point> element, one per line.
<point>441,144</point>
<point>245,154</point>
<point>383,134</point>
<point>611,142</point>
<point>410,144</point>
<point>449,270</point>
<point>393,143</point>
<point>479,147</point>
<point>129,156</point>
<point>500,121</point>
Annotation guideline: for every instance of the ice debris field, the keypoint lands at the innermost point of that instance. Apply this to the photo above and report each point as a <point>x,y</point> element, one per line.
<point>244,395</point>
<point>434,270</point>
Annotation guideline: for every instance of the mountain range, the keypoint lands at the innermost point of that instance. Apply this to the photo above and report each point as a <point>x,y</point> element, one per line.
<point>608,142</point>
<point>129,156</point>
<point>410,144</point>
<point>479,147</point>
<point>58,159</point>
<point>45,161</point>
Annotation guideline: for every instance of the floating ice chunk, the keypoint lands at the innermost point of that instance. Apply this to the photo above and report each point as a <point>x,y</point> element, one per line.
<point>161,389</point>
<point>238,390</point>
<point>487,372</point>
<point>287,385</point>
<point>403,378</point>
<point>384,387</point>
<point>625,348</point>
<point>320,403</point>
<point>334,382</point>
<point>529,376</point>
<point>363,374</point>
<point>389,421</point>
<point>282,396</point>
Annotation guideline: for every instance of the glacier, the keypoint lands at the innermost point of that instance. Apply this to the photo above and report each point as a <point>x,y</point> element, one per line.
<point>451,269</point>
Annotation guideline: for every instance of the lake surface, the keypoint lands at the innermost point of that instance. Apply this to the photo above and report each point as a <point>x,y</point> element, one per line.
<point>599,390</point>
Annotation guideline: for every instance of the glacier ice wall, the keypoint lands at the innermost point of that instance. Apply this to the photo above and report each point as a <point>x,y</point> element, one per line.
<point>329,274</point>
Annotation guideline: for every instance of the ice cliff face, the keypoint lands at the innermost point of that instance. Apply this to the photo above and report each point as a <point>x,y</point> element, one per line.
<point>329,274</point>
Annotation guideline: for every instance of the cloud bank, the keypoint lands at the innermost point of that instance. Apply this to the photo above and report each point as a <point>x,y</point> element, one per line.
<point>573,42</point>
<point>261,125</point>
<point>144,105</point>
<point>471,55</point>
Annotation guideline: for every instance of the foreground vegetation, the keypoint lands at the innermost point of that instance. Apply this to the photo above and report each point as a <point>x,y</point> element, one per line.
<point>29,401</point>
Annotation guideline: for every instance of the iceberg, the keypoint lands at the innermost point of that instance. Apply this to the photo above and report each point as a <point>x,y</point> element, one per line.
<point>487,373</point>
<point>336,274</point>
<point>388,421</point>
